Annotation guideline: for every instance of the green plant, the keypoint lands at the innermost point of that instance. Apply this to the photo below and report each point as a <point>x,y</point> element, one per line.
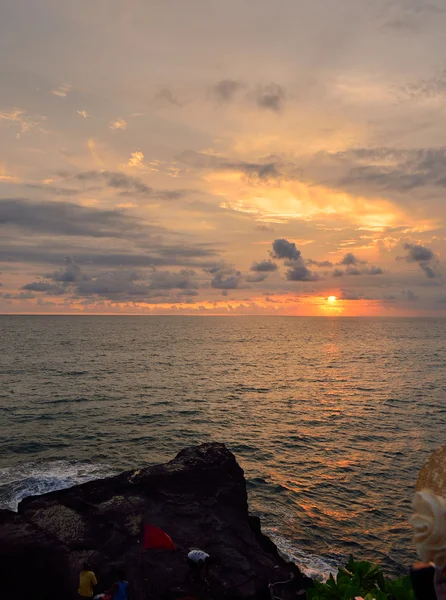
<point>361,578</point>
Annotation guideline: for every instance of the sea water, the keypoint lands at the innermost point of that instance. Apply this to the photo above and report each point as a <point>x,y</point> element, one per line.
<point>331,418</point>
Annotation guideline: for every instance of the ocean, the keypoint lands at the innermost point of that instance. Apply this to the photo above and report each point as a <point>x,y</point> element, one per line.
<point>331,418</point>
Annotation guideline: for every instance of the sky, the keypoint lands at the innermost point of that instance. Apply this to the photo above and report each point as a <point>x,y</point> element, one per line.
<point>237,157</point>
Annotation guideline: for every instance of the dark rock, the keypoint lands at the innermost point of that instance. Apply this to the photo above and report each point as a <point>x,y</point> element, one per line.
<point>199,499</point>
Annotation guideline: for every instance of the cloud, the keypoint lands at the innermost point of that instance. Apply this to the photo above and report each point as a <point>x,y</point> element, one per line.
<point>83,113</point>
<point>430,272</point>
<point>119,284</point>
<point>225,89</point>
<point>43,286</point>
<point>24,295</point>
<point>25,121</point>
<point>282,248</point>
<point>157,255</point>
<point>264,228</point>
<point>65,218</point>
<point>136,159</point>
<point>127,185</point>
<point>379,170</point>
<point>118,124</point>
<point>264,266</point>
<point>166,96</point>
<point>270,96</point>
<point>355,266</point>
<point>425,258</point>
<point>57,191</point>
<point>71,273</point>
<point>200,160</point>
<point>225,278</point>
<point>373,271</point>
<point>300,272</point>
<point>317,263</point>
<point>351,259</point>
<point>62,91</point>
<point>409,295</point>
<point>418,253</point>
<point>257,278</point>
<point>114,179</point>
<point>168,280</point>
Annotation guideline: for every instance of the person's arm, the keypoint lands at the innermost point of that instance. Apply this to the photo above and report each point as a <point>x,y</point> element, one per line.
<point>93,580</point>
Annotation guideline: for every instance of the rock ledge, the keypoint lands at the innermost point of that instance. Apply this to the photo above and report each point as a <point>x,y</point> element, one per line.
<point>199,499</point>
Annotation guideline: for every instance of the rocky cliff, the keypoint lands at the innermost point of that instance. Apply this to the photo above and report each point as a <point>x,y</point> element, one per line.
<point>199,499</point>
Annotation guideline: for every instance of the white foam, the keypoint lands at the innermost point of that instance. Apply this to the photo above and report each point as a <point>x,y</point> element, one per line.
<point>311,565</point>
<point>34,479</point>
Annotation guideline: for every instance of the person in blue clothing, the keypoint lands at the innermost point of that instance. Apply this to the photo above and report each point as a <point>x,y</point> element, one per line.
<point>121,588</point>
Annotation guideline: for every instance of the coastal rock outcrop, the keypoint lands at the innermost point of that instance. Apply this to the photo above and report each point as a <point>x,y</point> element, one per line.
<point>199,499</point>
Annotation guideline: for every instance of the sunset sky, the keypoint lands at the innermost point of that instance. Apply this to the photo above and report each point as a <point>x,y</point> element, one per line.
<point>223,157</point>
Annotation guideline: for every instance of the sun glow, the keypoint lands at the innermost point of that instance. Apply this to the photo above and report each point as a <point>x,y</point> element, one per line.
<point>331,299</point>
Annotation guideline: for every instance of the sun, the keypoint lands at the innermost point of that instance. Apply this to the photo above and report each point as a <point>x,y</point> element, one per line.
<point>331,299</point>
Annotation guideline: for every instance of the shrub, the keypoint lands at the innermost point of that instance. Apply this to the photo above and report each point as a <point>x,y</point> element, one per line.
<point>361,578</point>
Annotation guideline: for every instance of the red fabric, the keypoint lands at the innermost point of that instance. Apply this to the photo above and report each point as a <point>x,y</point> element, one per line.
<point>154,537</point>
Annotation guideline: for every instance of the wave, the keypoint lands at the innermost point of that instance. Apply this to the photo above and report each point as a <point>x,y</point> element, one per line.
<point>316,567</point>
<point>34,479</point>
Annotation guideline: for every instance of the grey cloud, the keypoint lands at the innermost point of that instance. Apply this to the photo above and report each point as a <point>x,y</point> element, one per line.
<point>264,265</point>
<point>57,191</point>
<point>425,258</point>
<point>127,185</point>
<point>373,271</point>
<point>270,97</point>
<point>298,271</point>
<point>266,172</point>
<point>115,179</point>
<point>166,96</point>
<point>409,295</point>
<point>264,228</point>
<point>199,160</point>
<point>301,273</point>
<point>417,253</point>
<point>431,87</point>
<point>429,271</point>
<point>225,283</point>
<point>351,259</point>
<point>322,263</point>
<point>225,278</point>
<point>383,169</point>
<point>355,266</point>
<point>43,286</point>
<point>65,218</point>
<point>282,248</point>
<point>71,273</point>
<point>157,256</point>
<point>406,176</point>
<point>24,295</point>
<point>257,278</point>
<point>355,269</point>
<point>226,89</point>
<point>120,284</point>
<point>167,280</point>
